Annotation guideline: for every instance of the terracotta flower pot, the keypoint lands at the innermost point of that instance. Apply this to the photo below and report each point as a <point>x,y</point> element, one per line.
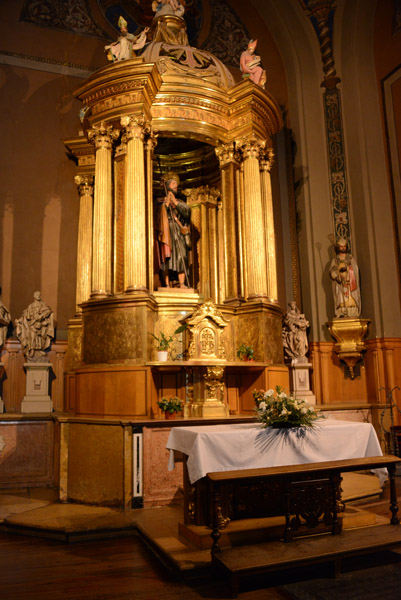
<point>169,415</point>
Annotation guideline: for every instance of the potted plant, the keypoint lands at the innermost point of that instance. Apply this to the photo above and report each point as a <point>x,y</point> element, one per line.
<point>164,341</point>
<point>170,407</point>
<point>245,352</point>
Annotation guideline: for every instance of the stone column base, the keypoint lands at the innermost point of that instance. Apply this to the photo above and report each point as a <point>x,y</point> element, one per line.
<point>37,399</point>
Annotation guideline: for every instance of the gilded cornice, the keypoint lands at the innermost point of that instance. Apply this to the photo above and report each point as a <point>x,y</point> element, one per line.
<point>127,87</point>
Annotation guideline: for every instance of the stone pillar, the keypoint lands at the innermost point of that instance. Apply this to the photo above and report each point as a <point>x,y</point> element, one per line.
<point>102,136</point>
<point>84,253</point>
<point>256,266</point>
<point>229,168</point>
<point>135,248</point>
<point>270,240</point>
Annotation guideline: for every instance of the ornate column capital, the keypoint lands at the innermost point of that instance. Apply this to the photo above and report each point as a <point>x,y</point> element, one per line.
<point>251,146</point>
<point>84,184</point>
<point>102,136</point>
<point>135,126</point>
<point>266,160</point>
<point>226,154</point>
<point>151,141</point>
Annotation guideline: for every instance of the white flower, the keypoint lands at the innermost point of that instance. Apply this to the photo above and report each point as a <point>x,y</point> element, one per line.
<point>284,412</point>
<point>269,393</point>
<point>304,410</point>
<point>262,405</point>
<point>282,395</point>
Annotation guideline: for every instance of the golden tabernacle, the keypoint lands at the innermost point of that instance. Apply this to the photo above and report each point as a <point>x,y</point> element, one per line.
<point>174,109</point>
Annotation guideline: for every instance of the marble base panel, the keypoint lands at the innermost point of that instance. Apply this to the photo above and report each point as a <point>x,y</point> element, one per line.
<point>160,486</point>
<point>26,453</point>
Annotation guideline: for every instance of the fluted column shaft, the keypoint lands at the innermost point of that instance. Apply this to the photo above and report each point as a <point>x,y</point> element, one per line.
<point>256,267</point>
<point>229,167</point>
<point>150,145</point>
<point>135,248</point>
<point>270,239</point>
<point>102,137</point>
<point>84,251</point>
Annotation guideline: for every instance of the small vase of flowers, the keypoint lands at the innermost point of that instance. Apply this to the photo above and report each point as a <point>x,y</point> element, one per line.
<point>170,407</point>
<point>274,408</point>
<point>245,353</point>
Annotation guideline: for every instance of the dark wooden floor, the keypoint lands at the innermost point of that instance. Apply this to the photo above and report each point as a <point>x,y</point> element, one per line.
<point>116,569</point>
<point>121,569</point>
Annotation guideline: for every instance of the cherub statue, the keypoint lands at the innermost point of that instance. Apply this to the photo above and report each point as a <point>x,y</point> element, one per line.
<point>163,30</point>
<point>168,7</point>
<point>344,274</point>
<point>127,43</point>
<point>295,340</point>
<point>35,329</point>
<point>250,65</point>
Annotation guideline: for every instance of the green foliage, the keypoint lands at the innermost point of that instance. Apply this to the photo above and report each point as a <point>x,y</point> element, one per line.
<point>275,408</point>
<point>245,352</point>
<point>164,341</point>
<point>172,405</point>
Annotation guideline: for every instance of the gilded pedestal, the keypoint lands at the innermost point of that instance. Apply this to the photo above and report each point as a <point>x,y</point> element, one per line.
<point>349,334</point>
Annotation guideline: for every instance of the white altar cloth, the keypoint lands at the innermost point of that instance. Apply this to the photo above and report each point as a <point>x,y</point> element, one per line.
<point>249,446</point>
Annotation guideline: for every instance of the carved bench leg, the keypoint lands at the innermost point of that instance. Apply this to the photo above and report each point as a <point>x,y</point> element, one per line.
<point>216,519</point>
<point>393,496</point>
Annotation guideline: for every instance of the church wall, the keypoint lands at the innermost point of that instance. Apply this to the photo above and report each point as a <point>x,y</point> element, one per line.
<point>370,197</point>
<point>39,201</point>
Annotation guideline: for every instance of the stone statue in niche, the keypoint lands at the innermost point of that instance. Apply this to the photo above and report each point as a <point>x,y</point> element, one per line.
<point>124,48</point>
<point>172,220</point>
<point>35,329</point>
<point>250,65</point>
<point>344,274</point>
<point>5,320</point>
<point>295,339</point>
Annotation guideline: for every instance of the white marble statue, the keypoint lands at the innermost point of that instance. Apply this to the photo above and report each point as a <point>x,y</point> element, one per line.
<point>124,48</point>
<point>344,274</point>
<point>5,320</point>
<point>35,329</point>
<point>295,339</point>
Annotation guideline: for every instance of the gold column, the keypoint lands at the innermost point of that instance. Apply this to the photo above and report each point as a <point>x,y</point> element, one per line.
<point>150,145</point>
<point>135,250</point>
<point>267,204</point>
<point>256,267</point>
<point>229,167</point>
<point>84,257</point>
<point>102,136</point>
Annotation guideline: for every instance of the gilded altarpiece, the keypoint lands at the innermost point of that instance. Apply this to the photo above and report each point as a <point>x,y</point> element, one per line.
<point>131,109</point>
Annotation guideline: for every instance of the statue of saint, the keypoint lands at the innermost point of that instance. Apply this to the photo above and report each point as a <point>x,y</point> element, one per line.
<point>5,320</point>
<point>172,221</point>
<point>163,27</point>
<point>295,340</point>
<point>127,43</point>
<point>250,65</point>
<point>344,274</point>
<point>35,329</point>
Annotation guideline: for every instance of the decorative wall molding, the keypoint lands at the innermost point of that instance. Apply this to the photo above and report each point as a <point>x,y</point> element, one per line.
<point>39,63</point>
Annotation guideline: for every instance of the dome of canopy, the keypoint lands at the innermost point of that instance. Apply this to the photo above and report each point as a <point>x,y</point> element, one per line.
<point>174,59</point>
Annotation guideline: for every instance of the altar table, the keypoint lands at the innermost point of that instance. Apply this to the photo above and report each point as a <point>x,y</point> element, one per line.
<point>211,448</point>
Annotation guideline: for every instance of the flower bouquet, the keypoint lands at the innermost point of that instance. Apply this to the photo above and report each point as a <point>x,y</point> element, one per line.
<point>275,408</point>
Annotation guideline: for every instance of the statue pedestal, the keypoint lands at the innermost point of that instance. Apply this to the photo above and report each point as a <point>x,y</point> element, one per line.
<point>37,399</point>
<point>300,383</point>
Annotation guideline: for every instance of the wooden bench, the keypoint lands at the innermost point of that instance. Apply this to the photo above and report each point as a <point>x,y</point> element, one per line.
<point>322,484</point>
